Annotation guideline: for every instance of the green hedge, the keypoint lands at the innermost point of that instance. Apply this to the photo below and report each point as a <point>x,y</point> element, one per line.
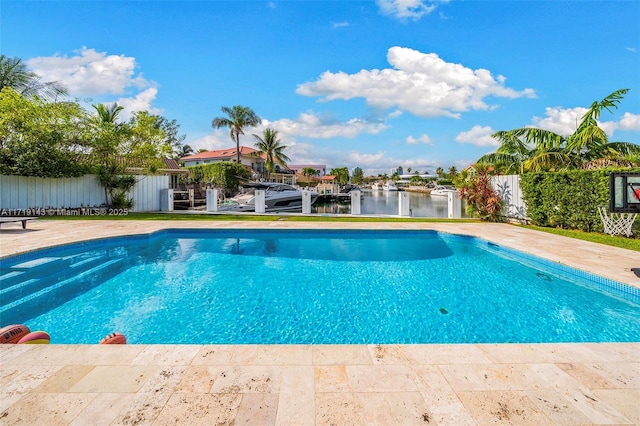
<point>567,200</point>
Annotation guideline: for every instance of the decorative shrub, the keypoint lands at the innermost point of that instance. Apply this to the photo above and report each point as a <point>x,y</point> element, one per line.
<point>567,199</point>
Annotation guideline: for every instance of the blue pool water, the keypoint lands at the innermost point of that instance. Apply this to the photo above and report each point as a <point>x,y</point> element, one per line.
<point>265,286</point>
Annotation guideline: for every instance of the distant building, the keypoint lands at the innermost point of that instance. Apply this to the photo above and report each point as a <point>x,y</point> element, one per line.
<point>398,170</point>
<point>298,168</point>
<point>248,157</point>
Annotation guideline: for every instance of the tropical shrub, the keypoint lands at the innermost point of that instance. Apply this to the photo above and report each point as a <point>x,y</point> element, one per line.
<point>223,174</point>
<point>482,200</point>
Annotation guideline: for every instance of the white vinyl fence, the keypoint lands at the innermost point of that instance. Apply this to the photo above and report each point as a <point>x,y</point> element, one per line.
<point>21,193</point>
<point>508,187</point>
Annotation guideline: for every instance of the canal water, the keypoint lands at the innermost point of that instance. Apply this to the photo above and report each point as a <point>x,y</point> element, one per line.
<point>386,203</point>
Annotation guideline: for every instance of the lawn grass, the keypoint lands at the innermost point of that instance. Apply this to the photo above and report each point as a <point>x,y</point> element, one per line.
<point>594,237</point>
<point>615,241</point>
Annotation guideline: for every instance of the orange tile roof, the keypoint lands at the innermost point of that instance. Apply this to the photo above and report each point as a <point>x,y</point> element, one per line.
<point>328,177</point>
<point>219,153</point>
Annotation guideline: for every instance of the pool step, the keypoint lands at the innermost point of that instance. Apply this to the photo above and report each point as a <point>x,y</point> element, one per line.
<point>25,282</point>
<point>74,281</point>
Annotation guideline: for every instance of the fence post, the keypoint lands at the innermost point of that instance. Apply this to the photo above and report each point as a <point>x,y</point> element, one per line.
<point>212,200</point>
<point>355,202</point>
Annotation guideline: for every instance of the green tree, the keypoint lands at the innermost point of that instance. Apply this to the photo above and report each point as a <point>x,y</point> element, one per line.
<point>533,149</point>
<point>238,117</point>
<point>358,176</point>
<point>341,174</point>
<point>40,138</point>
<point>183,151</point>
<point>309,171</point>
<point>223,174</point>
<point>440,172</point>
<point>271,147</point>
<point>14,74</point>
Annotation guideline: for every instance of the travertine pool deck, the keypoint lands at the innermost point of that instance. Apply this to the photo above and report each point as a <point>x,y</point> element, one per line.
<point>474,384</point>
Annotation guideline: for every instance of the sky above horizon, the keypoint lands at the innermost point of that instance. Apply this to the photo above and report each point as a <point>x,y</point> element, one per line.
<point>369,84</point>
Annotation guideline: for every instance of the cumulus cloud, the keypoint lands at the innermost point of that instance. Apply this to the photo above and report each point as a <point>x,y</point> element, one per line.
<point>630,121</point>
<point>317,126</point>
<point>406,9</point>
<point>564,121</point>
<point>479,136</point>
<point>423,84</point>
<point>141,102</point>
<point>424,138</point>
<point>89,73</point>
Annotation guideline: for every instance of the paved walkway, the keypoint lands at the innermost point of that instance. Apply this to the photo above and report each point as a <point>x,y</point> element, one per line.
<point>540,384</point>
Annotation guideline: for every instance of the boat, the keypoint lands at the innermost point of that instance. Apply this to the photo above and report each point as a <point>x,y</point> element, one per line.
<point>443,190</point>
<point>389,186</point>
<point>376,187</point>
<point>345,193</point>
<point>279,197</point>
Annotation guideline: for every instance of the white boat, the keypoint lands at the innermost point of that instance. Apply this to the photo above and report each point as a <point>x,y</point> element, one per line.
<point>279,197</point>
<point>389,186</point>
<point>443,190</point>
<point>375,187</point>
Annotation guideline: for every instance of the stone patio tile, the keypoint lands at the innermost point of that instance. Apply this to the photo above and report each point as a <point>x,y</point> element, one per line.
<point>248,379</point>
<point>588,376</point>
<point>257,409</point>
<point>144,406</point>
<point>64,379</point>
<point>48,355</point>
<point>345,409</point>
<point>116,378</point>
<point>503,408</point>
<point>214,355</point>
<point>108,354</point>
<point>566,353</point>
<point>578,395</point>
<point>9,352</point>
<point>200,409</point>
<point>103,410</point>
<point>296,404</point>
<point>622,374</point>
<point>616,352</point>
<point>479,377</point>
<point>443,403</point>
<point>556,407</point>
<point>405,408</point>
<point>272,355</point>
<point>166,355</point>
<point>19,380</point>
<point>198,379</point>
<point>624,401</point>
<point>380,378</point>
<point>331,378</point>
<point>46,408</point>
<point>341,354</point>
<point>427,354</point>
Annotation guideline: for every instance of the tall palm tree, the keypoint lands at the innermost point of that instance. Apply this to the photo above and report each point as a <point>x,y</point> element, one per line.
<point>238,117</point>
<point>14,74</point>
<point>270,145</point>
<point>533,149</point>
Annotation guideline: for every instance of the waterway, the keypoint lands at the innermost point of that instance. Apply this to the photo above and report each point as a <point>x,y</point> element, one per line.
<point>386,203</point>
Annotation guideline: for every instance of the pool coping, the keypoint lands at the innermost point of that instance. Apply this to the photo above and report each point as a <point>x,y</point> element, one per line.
<point>587,383</point>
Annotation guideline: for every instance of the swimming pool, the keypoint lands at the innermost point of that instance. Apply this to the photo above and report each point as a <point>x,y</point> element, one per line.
<point>301,286</point>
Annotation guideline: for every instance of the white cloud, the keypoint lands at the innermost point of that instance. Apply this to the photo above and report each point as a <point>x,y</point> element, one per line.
<point>316,126</point>
<point>564,121</point>
<point>424,138</point>
<point>420,83</point>
<point>479,136</point>
<point>630,121</point>
<point>141,102</point>
<point>406,9</point>
<point>341,24</point>
<point>90,73</point>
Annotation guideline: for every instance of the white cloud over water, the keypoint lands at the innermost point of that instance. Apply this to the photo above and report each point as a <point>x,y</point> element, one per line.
<point>423,84</point>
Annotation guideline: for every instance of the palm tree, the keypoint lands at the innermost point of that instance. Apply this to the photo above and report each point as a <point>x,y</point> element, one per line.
<point>238,117</point>
<point>108,114</point>
<point>439,172</point>
<point>533,149</point>
<point>14,74</point>
<point>185,150</point>
<point>270,145</point>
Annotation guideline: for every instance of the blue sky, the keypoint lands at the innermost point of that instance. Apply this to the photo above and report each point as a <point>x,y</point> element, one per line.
<point>373,84</point>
